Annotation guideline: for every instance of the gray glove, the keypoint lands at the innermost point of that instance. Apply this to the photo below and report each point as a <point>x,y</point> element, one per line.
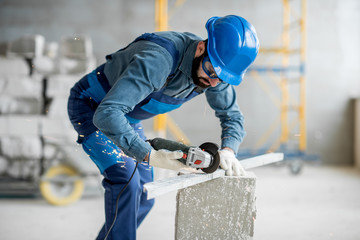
<point>166,159</point>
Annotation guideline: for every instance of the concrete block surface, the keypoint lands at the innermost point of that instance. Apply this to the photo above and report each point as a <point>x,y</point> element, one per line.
<point>58,129</point>
<point>223,208</point>
<point>27,46</point>
<point>20,105</point>
<point>59,85</point>
<point>21,86</point>
<point>16,66</point>
<point>58,108</point>
<point>76,47</point>
<point>21,147</point>
<point>20,125</point>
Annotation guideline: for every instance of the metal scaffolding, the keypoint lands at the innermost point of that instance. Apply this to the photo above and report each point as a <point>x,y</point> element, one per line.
<point>284,68</point>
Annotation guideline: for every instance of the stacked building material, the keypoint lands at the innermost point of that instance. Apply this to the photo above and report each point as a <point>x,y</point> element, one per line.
<point>21,103</point>
<point>35,82</point>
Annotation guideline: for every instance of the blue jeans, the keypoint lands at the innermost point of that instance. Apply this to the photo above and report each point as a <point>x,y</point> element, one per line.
<point>117,168</point>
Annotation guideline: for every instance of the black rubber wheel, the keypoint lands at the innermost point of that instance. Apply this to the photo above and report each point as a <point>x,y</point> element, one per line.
<point>211,148</point>
<point>295,166</point>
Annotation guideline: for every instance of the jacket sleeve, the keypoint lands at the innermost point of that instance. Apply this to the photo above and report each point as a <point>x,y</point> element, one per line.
<point>146,72</point>
<point>222,99</point>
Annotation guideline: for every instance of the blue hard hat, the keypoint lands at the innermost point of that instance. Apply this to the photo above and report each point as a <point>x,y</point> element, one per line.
<point>232,47</point>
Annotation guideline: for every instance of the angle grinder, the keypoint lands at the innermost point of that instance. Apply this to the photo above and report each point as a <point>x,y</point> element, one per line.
<point>204,157</point>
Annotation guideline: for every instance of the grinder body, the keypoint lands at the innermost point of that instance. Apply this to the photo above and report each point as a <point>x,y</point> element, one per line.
<point>204,157</point>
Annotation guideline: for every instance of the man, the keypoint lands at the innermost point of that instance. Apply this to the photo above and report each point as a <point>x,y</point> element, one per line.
<point>155,74</point>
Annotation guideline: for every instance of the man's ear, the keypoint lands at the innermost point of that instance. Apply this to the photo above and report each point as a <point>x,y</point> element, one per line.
<point>200,49</point>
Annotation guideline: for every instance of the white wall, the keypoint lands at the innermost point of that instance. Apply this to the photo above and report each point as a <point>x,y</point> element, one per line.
<point>333,76</point>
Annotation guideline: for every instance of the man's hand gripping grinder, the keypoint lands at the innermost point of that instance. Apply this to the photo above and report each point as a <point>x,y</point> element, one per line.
<point>204,157</point>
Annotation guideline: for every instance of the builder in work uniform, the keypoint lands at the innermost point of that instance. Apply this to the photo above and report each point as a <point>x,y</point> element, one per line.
<point>155,74</point>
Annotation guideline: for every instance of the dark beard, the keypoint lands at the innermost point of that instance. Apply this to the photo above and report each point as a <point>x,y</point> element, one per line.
<point>195,66</point>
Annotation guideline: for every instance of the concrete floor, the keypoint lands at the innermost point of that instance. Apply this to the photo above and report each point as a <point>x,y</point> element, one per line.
<point>320,203</point>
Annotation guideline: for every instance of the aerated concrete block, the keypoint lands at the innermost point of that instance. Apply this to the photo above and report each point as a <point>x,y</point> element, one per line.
<point>3,165</point>
<point>59,129</point>
<point>16,66</point>
<point>76,55</point>
<point>18,105</point>
<point>21,147</point>
<point>73,66</point>
<point>21,86</point>
<point>223,208</point>
<point>23,169</point>
<point>58,108</point>
<point>30,46</point>
<point>59,85</point>
<point>20,125</point>
<point>76,47</point>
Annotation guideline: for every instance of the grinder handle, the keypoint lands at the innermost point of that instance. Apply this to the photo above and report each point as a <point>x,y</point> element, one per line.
<point>161,143</point>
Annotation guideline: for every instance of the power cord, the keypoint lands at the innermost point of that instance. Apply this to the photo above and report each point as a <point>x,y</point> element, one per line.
<point>117,201</point>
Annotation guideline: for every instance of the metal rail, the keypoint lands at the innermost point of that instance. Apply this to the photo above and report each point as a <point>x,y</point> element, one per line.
<point>163,186</point>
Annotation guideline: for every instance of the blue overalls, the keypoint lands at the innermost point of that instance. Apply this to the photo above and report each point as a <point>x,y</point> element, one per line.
<point>115,166</point>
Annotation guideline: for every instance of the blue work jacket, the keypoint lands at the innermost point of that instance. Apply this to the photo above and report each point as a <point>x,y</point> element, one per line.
<point>142,69</point>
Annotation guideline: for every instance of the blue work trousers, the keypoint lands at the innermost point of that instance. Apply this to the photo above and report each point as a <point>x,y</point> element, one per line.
<point>117,169</point>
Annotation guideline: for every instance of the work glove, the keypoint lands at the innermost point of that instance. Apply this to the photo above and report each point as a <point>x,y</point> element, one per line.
<point>166,159</point>
<point>230,163</point>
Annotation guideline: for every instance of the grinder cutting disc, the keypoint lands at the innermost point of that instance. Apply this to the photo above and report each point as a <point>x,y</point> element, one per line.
<point>211,148</point>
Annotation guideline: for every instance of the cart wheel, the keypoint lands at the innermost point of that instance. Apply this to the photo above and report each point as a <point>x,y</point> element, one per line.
<point>58,187</point>
<point>295,166</point>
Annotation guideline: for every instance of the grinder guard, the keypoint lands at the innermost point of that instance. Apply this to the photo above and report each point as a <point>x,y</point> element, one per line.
<point>211,148</point>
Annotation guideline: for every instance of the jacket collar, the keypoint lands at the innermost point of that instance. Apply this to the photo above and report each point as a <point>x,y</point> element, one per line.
<point>187,60</point>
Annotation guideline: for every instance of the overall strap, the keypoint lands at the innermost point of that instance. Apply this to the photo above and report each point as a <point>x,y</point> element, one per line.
<point>165,43</point>
<point>102,78</point>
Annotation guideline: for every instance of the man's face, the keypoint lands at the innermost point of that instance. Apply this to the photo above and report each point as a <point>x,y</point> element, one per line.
<point>198,75</point>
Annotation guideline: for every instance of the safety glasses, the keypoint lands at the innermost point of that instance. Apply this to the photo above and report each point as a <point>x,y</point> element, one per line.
<point>208,68</point>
